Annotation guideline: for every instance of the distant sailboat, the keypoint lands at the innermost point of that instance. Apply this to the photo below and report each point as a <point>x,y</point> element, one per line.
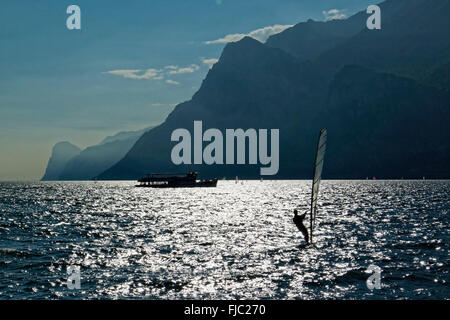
<point>318,166</point>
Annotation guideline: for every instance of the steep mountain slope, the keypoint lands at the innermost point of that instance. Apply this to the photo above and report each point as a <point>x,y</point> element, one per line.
<point>62,152</point>
<point>124,135</point>
<point>307,40</point>
<point>252,86</point>
<point>94,160</point>
<point>386,126</point>
<point>413,41</point>
<point>77,164</point>
<point>380,124</point>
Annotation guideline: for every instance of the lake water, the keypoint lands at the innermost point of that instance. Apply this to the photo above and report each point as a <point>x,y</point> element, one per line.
<point>233,241</point>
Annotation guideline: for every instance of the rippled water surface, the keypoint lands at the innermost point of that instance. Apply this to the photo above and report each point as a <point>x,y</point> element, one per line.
<point>233,241</point>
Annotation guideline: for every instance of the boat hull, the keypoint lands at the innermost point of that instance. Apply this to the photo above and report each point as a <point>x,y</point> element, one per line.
<point>182,184</point>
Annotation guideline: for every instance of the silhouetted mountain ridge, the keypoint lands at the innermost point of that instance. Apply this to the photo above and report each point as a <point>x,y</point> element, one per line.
<point>307,40</point>
<point>86,164</point>
<point>62,152</point>
<point>373,89</point>
<point>386,126</point>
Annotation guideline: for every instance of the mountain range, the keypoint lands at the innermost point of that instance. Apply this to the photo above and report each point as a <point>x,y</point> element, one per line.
<point>383,95</point>
<point>69,162</point>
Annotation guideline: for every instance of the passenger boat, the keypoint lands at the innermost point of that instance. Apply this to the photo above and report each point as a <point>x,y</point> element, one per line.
<point>174,180</point>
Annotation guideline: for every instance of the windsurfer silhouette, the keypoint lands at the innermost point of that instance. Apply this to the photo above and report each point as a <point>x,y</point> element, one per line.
<point>298,220</point>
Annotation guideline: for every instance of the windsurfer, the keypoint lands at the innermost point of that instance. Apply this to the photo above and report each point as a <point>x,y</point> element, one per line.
<point>298,220</point>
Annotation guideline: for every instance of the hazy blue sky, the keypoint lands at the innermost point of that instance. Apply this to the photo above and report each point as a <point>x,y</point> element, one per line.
<point>125,70</point>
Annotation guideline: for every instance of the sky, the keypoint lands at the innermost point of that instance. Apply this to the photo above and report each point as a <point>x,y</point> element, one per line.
<point>126,69</point>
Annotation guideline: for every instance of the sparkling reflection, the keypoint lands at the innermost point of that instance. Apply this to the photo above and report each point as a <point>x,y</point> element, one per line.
<point>233,241</point>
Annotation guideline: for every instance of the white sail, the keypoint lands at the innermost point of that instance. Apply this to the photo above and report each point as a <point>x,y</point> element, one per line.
<point>318,165</point>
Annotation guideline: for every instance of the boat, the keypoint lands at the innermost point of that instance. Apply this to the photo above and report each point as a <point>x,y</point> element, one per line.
<point>174,180</point>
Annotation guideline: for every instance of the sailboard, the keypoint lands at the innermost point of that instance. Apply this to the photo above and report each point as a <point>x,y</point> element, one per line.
<point>318,166</point>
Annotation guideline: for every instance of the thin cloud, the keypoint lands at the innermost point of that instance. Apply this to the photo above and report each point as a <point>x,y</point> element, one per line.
<point>261,34</point>
<point>172,82</point>
<point>153,74</point>
<point>191,69</point>
<point>334,14</point>
<point>137,74</point>
<point>158,104</point>
<point>209,62</point>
